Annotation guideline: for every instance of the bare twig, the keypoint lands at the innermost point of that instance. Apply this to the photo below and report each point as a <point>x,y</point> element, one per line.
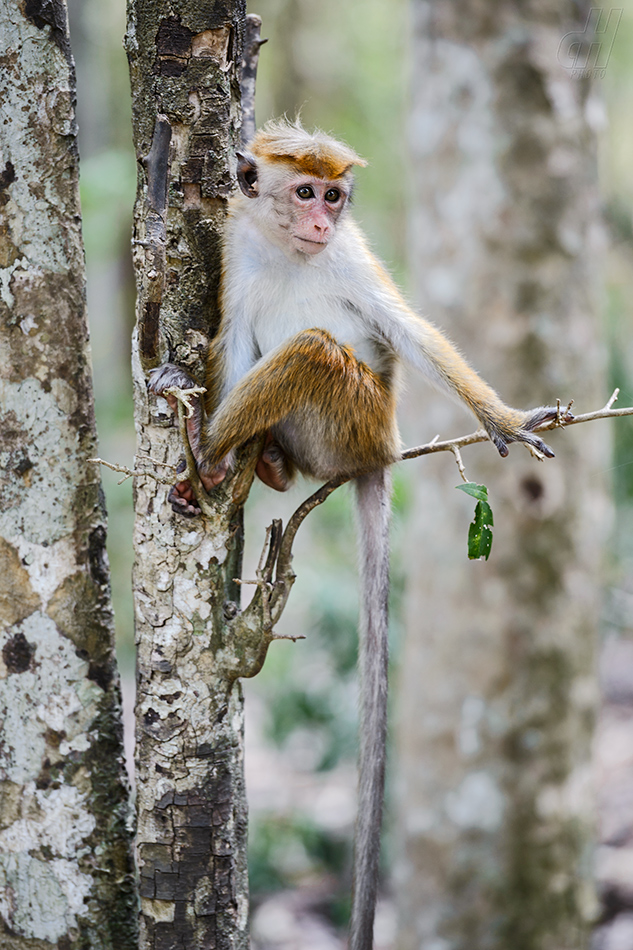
<point>135,473</point>
<point>270,594</point>
<point>614,396</point>
<point>606,413</point>
<point>184,397</point>
<point>460,464</point>
<point>148,458</point>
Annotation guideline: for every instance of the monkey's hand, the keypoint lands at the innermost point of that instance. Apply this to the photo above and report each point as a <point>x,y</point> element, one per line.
<point>169,376</point>
<point>518,426</point>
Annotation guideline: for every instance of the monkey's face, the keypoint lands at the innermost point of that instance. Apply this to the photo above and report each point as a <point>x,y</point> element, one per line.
<point>297,207</point>
<point>314,206</point>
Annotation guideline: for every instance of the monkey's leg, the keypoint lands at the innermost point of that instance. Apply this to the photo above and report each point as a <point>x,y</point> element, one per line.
<point>323,388</point>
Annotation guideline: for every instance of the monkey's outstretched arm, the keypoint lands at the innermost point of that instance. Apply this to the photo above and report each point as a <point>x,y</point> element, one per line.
<point>423,346</point>
<point>426,348</point>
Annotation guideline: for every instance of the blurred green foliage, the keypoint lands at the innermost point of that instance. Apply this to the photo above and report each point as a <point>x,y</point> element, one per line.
<point>616,155</point>
<point>108,188</point>
<point>286,851</point>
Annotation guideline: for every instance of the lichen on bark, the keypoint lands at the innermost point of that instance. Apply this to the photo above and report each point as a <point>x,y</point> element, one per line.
<point>65,856</point>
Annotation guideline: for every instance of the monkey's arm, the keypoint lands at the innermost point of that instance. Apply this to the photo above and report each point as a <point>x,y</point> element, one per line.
<point>423,346</point>
<point>426,348</point>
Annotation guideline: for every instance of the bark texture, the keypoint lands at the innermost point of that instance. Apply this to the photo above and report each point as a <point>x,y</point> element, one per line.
<point>65,856</point>
<point>184,62</point>
<point>497,686</point>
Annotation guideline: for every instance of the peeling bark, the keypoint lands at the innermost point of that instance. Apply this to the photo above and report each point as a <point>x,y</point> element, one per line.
<point>184,64</point>
<point>65,860</point>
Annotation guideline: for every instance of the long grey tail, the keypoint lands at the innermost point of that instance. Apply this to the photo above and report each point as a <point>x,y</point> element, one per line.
<point>374,510</point>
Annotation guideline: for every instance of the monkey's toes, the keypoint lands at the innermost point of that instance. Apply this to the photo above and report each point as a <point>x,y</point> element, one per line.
<point>168,376</point>
<point>542,447</point>
<point>183,501</point>
<point>215,476</point>
<point>501,445</point>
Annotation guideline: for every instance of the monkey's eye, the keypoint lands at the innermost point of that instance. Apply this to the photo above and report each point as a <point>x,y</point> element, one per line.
<point>332,195</point>
<point>305,192</point>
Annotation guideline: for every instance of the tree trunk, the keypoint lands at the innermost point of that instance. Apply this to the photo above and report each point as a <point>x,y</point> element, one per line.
<point>497,687</point>
<point>191,799</point>
<point>65,859</point>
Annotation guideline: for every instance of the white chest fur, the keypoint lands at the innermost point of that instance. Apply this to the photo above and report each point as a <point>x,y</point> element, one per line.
<point>273,296</point>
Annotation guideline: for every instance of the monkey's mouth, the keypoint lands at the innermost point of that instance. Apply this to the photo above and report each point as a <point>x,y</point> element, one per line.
<point>316,246</point>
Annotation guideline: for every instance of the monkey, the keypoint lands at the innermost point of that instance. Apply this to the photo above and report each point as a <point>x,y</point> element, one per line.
<point>312,334</point>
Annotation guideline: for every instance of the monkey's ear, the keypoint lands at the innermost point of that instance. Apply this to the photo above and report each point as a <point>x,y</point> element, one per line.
<point>247,174</point>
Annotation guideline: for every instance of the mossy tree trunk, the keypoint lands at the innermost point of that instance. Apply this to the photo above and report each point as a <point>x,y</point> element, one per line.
<point>497,687</point>
<point>65,852</point>
<point>185,63</point>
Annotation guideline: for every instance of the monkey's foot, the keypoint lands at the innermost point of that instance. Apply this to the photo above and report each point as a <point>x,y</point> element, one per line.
<point>213,478</point>
<point>183,501</point>
<point>175,385</point>
<point>273,467</point>
<point>182,497</point>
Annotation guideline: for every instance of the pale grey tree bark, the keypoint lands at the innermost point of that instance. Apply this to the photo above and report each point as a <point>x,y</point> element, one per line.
<point>65,857</point>
<point>497,686</point>
<point>192,644</point>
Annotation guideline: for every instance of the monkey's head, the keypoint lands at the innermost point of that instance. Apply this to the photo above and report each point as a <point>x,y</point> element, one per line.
<point>302,182</point>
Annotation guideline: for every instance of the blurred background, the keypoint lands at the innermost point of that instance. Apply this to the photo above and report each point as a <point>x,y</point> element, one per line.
<point>348,68</point>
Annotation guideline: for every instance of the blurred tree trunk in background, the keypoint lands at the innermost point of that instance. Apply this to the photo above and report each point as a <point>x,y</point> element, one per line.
<point>497,691</point>
<point>65,856</point>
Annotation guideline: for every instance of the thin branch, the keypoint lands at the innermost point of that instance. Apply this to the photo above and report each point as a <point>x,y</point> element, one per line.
<point>460,464</point>
<point>184,397</point>
<point>560,422</point>
<point>285,577</point>
<point>252,45</point>
<point>135,473</point>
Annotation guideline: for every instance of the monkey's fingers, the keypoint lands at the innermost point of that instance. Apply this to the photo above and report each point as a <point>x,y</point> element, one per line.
<point>500,443</point>
<point>544,414</point>
<point>537,443</point>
